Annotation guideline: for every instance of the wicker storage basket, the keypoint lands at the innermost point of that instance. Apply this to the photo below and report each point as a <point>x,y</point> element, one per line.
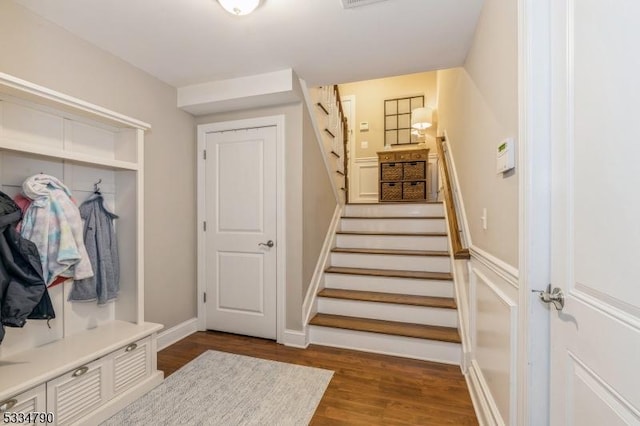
<point>390,191</point>
<point>413,191</point>
<point>414,170</point>
<point>391,171</point>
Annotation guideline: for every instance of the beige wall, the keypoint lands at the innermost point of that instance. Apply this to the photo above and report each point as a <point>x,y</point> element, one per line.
<point>293,193</point>
<point>34,49</point>
<point>318,201</point>
<point>370,96</point>
<point>478,107</point>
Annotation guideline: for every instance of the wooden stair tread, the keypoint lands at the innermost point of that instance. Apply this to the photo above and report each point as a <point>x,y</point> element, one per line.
<point>399,299</point>
<point>394,234</point>
<point>420,331</point>
<point>391,252</point>
<point>389,273</point>
<point>395,217</point>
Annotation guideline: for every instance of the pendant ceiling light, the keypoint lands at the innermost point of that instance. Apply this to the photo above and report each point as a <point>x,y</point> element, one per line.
<point>239,7</point>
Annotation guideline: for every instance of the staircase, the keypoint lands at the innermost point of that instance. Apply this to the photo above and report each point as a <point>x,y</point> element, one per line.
<point>389,288</point>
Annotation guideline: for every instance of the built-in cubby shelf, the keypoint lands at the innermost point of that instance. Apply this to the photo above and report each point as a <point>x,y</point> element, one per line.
<point>43,131</point>
<point>85,159</point>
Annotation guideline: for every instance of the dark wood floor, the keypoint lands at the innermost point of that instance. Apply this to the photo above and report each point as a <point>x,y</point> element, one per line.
<point>365,389</point>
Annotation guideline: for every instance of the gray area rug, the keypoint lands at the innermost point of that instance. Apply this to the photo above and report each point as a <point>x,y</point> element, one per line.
<point>219,388</point>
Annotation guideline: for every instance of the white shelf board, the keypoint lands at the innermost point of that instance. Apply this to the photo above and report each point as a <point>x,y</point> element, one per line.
<point>15,86</point>
<point>11,145</point>
<point>33,367</point>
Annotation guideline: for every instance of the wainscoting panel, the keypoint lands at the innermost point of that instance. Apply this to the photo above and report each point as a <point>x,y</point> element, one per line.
<point>495,339</point>
<point>364,180</point>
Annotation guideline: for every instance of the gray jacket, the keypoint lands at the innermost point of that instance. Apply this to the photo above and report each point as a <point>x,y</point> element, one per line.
<point>102,248</point>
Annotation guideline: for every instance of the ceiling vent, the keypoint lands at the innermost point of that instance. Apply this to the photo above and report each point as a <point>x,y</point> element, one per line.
<point>349,4</point>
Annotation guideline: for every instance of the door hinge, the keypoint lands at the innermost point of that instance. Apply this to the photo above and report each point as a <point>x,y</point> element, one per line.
<point>205,297</point>
<point>204,226</point>
<point>204,154</point>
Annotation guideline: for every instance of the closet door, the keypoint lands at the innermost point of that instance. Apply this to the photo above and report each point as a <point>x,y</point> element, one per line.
<point>240,259</point>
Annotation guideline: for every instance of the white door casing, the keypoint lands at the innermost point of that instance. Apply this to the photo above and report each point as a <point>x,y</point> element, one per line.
<point>240,198</point>
<point>595,339</point>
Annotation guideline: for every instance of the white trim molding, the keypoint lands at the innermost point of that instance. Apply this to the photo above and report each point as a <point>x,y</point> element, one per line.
<point>503,269</point>
<point>178,332</point>
<point>321,265</point>
<point>485,390</point>
<point>485,407</point>
<point>281,221</point>
<point>534,206</point>
<point>25,89</point>
<point>357,194</point>
<point>296,339</point>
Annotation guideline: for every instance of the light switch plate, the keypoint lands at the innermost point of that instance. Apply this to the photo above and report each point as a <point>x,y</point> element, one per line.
<point>364,144</point>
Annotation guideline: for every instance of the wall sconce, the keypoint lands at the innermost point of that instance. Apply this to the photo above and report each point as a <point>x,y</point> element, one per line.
<point>239,7</point>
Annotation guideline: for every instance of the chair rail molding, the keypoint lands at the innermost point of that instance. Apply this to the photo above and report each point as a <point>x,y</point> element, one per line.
<point>507,272</point>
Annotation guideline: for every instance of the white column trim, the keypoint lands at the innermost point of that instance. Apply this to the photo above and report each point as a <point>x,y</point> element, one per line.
<point>534,206</point>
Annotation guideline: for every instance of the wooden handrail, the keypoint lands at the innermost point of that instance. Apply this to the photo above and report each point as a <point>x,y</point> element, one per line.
<point>459,251</point>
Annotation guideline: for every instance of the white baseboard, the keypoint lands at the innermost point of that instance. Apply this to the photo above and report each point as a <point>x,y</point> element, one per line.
<point>178,332</point>
<point>296,339</point>
<point>486,409</point>
<point>323,259</point>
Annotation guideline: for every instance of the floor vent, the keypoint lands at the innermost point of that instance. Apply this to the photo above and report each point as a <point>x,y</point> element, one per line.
<point>349,4</point>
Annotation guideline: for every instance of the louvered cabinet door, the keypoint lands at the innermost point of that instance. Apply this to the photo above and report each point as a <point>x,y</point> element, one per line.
<point>30,401</point>
<point>78,392</point>
<point>131,365</point>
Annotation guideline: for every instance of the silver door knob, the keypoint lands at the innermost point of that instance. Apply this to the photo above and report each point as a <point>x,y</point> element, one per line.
<point>555,296</point>
<point>269,244</point>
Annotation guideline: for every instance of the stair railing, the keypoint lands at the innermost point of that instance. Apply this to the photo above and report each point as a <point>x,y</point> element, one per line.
<point>337,130</point>
<point>457,246</point>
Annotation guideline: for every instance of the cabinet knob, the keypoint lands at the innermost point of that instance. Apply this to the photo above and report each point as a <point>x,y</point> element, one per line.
<point>80,371</point>
<point>131,347</point>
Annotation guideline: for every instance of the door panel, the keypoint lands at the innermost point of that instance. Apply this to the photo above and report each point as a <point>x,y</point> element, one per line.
<point>240,202</point>
<point>246,272</point>
<point>595,339</point>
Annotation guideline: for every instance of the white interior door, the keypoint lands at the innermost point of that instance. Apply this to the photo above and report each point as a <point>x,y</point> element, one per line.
<point>595,339</point>
<point>240,252</point>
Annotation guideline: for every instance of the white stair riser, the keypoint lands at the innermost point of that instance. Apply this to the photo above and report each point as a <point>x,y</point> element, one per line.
<point>393,225</point>
<point>382,210</point>
<point>389,312</point>
<point>392,262</point>
<point>415,287</point>
<point>392,242</point>
<point>408,347</point>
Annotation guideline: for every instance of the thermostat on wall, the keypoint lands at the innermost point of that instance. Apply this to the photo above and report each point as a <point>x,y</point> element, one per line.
<point>364,126</point>
<point>506,158</point>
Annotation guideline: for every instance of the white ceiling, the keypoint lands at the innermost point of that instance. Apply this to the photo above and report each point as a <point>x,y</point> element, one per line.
<point>192,41</point>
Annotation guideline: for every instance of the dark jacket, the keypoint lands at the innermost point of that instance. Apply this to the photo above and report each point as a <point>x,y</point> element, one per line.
<point>23,293</point>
